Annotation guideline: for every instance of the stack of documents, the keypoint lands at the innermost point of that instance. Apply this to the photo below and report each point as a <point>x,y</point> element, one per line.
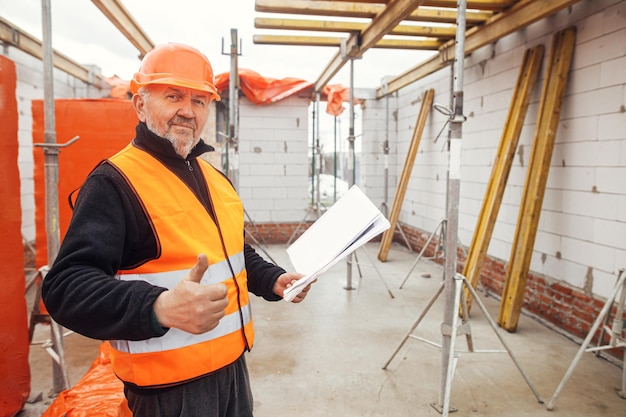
<point>347,225</point>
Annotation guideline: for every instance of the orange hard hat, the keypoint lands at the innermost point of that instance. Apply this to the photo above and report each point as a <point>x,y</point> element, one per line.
<point>175,64</point>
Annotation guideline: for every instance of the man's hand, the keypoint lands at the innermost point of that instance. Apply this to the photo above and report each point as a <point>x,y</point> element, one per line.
<point>285,281</point>
<point>190,306</point>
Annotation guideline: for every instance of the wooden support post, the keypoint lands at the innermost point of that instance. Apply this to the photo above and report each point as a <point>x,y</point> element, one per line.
<point>398,198</point>
<point>486,221</point>
<point>536,177</point>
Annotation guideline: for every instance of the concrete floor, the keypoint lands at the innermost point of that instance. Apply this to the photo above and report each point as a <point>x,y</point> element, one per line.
<point>324,357</point>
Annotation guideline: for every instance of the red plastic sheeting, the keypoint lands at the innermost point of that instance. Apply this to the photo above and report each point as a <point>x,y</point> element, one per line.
<point>104,126</point>
<point>14,343</point>
<point>263,90</point>
<point>336,94</point>
<point>98,394</point>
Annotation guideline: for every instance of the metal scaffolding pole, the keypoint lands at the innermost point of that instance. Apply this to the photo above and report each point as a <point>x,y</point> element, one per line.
<point>233,111</point>
<point>60,380</point>
<point>452,216</point>
<point>351,165</point>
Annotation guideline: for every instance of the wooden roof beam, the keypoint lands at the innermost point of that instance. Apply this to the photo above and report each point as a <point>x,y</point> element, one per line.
<point>349,27</point>
<point>471,4</point>
<point>520,15</point>
<point>358,43</point>
<point>13,35</point>
<point>115,11</point>
<point>427,44</point>
<point>361,10</point>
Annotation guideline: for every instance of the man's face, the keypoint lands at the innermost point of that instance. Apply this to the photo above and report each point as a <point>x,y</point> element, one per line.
<point>177,114</point>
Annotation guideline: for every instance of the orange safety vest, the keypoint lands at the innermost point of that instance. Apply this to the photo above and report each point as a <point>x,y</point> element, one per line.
<point>183,229</point>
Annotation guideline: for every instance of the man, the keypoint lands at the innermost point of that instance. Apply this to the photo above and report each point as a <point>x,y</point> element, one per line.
<point>154,258</point>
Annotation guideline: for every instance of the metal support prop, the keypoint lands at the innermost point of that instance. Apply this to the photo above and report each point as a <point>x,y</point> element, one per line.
<point>335,158</point>
<point>351,165</point>
<point>616,340</point>
<point>452,284</point>
<point>233,111</point>
<point>317,154</point>
<point>384,205</point>
<point>452,217</point>
<point>51,170</point>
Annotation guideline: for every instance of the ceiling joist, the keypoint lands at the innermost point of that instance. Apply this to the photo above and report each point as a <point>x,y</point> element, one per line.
<point>520,15</point>
<point>357,44</point>
<point>471,4</point>
<point>427,44</point>
<point>350,27</point>
<point>13,35</point>
<point>362,10</point>
<point>487,21</point>
<point>115,11</point>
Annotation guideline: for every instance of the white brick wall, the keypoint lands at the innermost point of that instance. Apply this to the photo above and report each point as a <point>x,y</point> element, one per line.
<point>273,163</point>
<point>582,228</point>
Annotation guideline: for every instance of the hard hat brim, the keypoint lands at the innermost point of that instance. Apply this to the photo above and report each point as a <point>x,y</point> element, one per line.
<point>179,82</point>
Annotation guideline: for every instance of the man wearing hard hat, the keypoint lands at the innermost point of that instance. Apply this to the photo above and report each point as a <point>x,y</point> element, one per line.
<point>154,258</point>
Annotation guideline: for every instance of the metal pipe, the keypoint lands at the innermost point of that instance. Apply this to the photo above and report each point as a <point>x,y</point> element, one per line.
<point>233,94</point>
<point>314,130</point>
<point>317,156</point>
<point>452,218</point>
<point>351,164</point>
<point>386,159</point>
<point>51,170</point>
<point>335,157</point>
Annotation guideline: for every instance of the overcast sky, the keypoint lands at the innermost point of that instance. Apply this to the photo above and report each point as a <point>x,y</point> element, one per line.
<point>84,34</point>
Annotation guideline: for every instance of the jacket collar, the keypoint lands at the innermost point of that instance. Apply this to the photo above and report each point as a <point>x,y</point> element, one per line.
<point>162,148</point>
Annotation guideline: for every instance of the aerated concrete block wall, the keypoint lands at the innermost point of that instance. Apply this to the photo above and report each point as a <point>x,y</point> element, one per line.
<point>273,162</point>
<point>379,132</point>
<point>581,239</point>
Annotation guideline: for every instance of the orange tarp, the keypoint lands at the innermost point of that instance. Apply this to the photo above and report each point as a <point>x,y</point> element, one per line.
<point>263,90</point>
<point>104,126</point>
<point>98,394</point>
<point>14,343</point>
<point>336,94</point>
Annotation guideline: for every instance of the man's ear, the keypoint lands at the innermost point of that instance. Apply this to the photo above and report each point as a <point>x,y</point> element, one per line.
<point>139,105</point>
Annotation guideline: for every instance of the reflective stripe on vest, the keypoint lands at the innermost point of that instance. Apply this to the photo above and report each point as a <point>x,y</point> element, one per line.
<point>176,339</point>
<point>214,274</point>
<point>183,229</point>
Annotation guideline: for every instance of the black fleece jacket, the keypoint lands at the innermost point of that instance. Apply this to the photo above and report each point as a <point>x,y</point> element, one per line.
<point>109,231</point>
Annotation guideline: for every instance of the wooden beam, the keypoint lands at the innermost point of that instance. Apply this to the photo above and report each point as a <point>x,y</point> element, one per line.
<point>473,4</point>
<point>361,10</point>
<point>518,16</point>
<point>427,44</point>
<point>394,214</point>
<point>115,11</point>
<point>13,35</point>
<point>453,4</point>
<point>350,27</point>
<point>522,93</point>
<point>547,125</point>
<point>357,44</point>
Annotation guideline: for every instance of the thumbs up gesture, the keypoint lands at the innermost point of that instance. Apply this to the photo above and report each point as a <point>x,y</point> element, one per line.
<point>190,306</point>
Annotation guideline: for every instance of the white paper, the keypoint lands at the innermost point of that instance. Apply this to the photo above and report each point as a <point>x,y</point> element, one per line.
<point>348,224</point>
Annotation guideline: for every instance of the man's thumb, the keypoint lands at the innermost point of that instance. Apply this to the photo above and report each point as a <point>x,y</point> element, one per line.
<point>198,270</point>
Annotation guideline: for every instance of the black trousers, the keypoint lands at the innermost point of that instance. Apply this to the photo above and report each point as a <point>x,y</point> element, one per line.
<point>224,393</point>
